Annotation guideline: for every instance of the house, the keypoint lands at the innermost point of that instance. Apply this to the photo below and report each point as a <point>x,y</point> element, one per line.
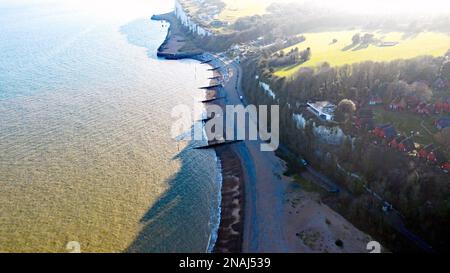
<point>378,131</point>
<point>446,167</point>
<point>322,109</point>
<point>412,101</point>
<point>375,101</point>
<point>386,131</point>
<point>398,105</point>
<point>406,145</point>
<point>441,107</point>
<point>396,141</point>
<point>442,123</point>
<point>425,151</point>
<point>423,108</point>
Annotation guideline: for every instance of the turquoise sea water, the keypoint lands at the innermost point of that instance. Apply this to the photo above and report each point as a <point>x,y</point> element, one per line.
<point>85,147</point>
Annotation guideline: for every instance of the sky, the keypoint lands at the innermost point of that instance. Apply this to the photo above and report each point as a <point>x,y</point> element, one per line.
<point>387,6</point>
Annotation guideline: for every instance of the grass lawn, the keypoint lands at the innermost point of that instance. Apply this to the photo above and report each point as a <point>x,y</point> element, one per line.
<point>406,122</point>
<point>235,9</point>
<point>339,53</point>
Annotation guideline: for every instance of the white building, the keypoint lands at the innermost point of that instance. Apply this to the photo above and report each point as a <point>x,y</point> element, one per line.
<point>322,109</point>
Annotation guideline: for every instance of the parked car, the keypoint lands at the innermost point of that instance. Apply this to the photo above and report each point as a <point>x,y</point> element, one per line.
<point>303,162</point>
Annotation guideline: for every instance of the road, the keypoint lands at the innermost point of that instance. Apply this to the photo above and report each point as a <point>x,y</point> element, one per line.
<point>264,187</point>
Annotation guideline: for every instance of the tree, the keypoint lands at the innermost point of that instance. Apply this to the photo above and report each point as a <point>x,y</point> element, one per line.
<point>356,39</point>
<point>397,89</point>
<point>306,54</point>
<point>422,91</point>
<point>345,110</point>
<point>367,38</point>
<point>346,106</point>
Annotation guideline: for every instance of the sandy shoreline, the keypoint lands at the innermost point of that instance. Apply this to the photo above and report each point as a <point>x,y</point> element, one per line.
<point>279,217</point>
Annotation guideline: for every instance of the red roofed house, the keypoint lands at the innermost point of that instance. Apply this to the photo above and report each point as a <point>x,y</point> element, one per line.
<point>423,153</point>
<point>406,145</point>
<point>396,141</point>
<point>446,167</point>
<point>386,131</point>
<point>398,105</point>
<point>441,107</point>
<point>432,157</point>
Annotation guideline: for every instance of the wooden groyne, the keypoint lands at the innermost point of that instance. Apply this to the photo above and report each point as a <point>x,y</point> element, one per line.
<point>204,120</point>
<point>214,68</point>
<point>216,145</point>
<point>206,62</point>
<point>211,100</point>
<point>214,86</point>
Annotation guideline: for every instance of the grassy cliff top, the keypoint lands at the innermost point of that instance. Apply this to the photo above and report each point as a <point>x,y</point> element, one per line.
<point>225,11</point>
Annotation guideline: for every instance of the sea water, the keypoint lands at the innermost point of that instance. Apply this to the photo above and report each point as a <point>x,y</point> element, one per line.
<point>86,152</point>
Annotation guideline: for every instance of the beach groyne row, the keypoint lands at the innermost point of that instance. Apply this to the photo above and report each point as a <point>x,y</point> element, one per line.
<point>231,227</point>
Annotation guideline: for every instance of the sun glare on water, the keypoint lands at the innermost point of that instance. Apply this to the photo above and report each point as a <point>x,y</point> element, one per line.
<point>120,9</point>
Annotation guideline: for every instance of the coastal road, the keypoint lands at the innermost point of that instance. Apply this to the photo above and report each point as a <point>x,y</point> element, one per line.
<point>264,187</point>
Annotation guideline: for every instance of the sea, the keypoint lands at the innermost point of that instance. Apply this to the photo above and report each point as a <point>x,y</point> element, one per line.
<point>87,153</point>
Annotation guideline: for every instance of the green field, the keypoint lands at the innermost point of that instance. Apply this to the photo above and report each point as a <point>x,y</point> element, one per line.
<point>235,9</point>
<point>323,50</point>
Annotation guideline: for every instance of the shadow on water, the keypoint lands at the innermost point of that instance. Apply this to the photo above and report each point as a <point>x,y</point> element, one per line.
<point>145,33</point>
<point>180,220</point>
